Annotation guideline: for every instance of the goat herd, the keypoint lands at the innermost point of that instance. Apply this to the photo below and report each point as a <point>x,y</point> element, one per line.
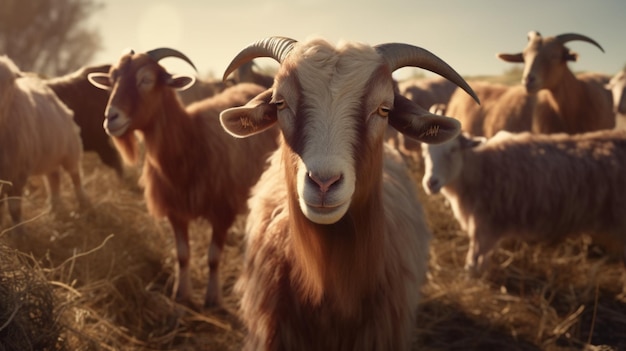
<point>337,243</point>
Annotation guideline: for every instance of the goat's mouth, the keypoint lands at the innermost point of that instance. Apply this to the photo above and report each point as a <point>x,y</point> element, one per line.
<point>116,128</point>
<point>324,214</point>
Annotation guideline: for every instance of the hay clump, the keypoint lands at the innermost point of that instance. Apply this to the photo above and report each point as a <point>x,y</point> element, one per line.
<point>28,319</point>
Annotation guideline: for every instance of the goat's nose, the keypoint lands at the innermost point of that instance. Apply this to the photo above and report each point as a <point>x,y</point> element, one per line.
<point>432,183</point>
<point>324,183</point>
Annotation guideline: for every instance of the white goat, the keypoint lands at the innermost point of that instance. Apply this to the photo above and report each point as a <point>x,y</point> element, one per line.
<point>337,247</point>
<point>38,136</point>
<point>539,187</point>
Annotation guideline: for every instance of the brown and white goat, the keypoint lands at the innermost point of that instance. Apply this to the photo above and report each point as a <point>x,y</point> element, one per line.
<point>192,168</point>
<point>337,246</point>
<point>565,102</point>
<point>37,136</point>
<point>88,104</point>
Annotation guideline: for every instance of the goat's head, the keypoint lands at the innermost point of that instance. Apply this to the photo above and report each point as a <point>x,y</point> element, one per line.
<point>443,162</point>
<point>617,87</point>
<point>545,59</point>
<point>333,104</point>
<point>137,84</point>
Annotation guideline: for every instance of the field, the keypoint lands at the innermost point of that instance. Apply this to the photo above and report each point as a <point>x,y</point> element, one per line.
<point>103,280</point>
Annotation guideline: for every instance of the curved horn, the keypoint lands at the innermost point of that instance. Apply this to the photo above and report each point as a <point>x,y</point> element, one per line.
<point>400,55</point>
<point>274,47</point>
<point>161,53</point>
<point>564,38</point>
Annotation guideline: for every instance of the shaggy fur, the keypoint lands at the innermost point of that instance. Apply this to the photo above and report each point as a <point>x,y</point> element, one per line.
<point>37,136</point>
<point>88,104</point>
<point>351,283</point>
<point>192,168</point>
<point>532,187</point>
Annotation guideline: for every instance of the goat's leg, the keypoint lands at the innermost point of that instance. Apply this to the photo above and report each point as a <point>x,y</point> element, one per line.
<point>213,297</point>
<point>14,201</point>
<point>54,190</point>
<point>181,237</point>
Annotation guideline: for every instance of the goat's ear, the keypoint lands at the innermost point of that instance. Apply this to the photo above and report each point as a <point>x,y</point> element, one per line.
<point>515,58</point>
<point>467,141</point>
<point>99,80</point>
<point>412,120</point>
<point>181,82</point>
<point>253,118</point>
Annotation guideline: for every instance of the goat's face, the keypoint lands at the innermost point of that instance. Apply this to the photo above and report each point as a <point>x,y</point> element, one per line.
<point>443,162</point>
<point>545,59</point>
<point>332,105</point>
<point>137,84</point>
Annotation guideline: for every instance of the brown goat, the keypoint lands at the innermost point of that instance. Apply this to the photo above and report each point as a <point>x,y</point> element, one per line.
<point>337,246</point>
<point>192,168</point>
<point>533,187</point>
<point>88,104</point>
<point>565,103</point>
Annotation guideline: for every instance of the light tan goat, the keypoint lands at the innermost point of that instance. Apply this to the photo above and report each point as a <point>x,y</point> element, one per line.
<point>551,99</point>
<point>337,246</point>
<point>38,136</point>
<point>565,102</point>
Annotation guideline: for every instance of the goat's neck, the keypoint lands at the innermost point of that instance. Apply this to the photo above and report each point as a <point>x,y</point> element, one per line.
<point>565,99</point>
<point>169,130</point>
<point>342,262</point>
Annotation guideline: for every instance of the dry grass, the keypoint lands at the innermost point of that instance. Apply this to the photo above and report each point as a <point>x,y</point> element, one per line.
<point>103,280</point>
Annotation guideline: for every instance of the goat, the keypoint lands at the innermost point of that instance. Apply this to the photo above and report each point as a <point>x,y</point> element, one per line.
<point>37,137</point>
<point>617,87</point>
<point>337,246</point>
<point>472,116</point>
<point>565,102</point>
<point>88,104</point>
<point>192,168</point>
<point>533,187</point>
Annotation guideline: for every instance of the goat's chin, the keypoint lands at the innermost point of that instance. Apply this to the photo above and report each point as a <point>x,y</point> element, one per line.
<point>324,215</point>
<point>116,129</point>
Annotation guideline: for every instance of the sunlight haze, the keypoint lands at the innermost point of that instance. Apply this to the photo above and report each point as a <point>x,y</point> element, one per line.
<point>466,34</point>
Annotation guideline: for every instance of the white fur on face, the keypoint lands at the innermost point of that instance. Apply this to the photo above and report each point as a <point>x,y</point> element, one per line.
<point>442,163</point>
<point>333,86</point>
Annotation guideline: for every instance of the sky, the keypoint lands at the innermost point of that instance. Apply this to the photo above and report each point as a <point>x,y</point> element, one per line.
<point>466,34</point>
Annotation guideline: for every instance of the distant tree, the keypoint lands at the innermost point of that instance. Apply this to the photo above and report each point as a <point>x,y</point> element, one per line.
<point>48,36</point>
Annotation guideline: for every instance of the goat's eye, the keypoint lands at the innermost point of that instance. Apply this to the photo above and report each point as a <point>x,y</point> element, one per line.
<point>280,104</point>
<point>383,110</point>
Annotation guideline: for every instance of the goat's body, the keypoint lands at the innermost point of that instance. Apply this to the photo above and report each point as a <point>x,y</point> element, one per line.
<point>193,169</point>
<point>541,188</point>
<point>353,288</point>
<point>88,104</point>
<point>38,137</point>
